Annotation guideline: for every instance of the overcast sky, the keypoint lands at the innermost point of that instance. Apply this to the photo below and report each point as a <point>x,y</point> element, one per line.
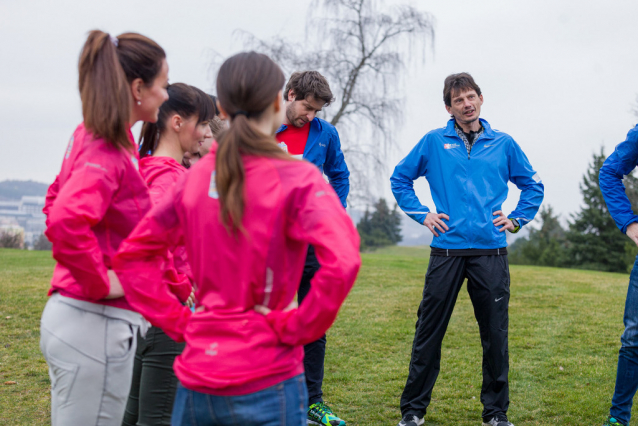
<point>561,77</point>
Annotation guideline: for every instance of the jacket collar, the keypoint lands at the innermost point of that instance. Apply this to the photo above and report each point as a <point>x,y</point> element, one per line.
<point>488,133</point>
<point>315,125</point>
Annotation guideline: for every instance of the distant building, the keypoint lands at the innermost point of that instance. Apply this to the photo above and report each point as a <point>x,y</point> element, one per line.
<point>26,214</point>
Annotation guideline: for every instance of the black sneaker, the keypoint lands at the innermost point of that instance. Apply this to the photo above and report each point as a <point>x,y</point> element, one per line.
<point>411,420</point>
<point>498,420</point>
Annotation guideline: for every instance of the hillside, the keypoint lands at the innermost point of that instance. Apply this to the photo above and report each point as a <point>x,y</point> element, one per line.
<point>565,326</point>
<point>15,189</point>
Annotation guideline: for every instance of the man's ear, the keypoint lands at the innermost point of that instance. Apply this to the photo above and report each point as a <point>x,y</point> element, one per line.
<point>291,95</point>
<point>448,109</point>
<point>176,123</point>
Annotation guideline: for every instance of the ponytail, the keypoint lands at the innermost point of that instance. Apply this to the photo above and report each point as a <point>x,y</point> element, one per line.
<point>247,84</point>
<point>107,67</point>
<point>104,90</point>
<point>148,138</point>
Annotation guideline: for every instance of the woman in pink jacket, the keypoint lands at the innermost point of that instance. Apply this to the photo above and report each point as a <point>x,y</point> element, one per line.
<point>246,213</point>
<point>183,126</point>
<point>88,329</point>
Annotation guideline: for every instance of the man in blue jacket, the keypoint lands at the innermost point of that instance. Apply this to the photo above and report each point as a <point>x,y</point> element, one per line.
<point>304,135</point>
<point>467,165</point>
<point>622,162</point>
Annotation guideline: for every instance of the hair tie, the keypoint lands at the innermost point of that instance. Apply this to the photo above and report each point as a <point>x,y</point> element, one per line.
<point>114,40</point>
<point>241,112</point>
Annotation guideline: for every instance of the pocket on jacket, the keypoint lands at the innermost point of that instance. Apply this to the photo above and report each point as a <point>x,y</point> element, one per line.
<point>120,339</point>
<point>62,376</point>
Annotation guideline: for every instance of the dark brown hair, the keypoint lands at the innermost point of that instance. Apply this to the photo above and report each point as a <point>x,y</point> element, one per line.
<point>309,83</point>
<point>107,66</point>
<point>247,84</point>
<point>184,100</point>
<point>217,125</point>
<point>458,83</point>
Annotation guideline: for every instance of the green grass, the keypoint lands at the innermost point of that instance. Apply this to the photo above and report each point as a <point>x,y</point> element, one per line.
<point>24,281</point>
<point>558,318</point>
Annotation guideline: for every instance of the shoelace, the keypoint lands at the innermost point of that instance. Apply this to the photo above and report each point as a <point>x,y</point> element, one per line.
<point>323,409</point>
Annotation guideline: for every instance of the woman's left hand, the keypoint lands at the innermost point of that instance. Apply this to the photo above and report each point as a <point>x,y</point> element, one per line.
<point>191,299</point>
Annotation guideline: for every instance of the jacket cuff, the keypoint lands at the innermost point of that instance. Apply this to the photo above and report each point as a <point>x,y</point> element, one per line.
<point>629,222</point>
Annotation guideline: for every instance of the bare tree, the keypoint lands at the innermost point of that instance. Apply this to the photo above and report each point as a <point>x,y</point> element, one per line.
<point>363,49</point>
<point>10,239</point>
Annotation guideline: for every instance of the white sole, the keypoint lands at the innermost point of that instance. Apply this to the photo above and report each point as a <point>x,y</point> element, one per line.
<point>420,422</point>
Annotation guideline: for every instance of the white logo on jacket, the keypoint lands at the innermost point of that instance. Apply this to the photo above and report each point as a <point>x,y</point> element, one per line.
<point>69,148</point>
<point>212,351</point>
<point>451,145</point>
<point>212,188</point>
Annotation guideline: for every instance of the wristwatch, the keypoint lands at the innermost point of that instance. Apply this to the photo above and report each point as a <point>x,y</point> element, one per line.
<point>517,226</point>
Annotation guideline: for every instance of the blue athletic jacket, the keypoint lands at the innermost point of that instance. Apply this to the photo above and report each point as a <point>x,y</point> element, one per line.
<point>468,188</point>
<point>620,163</point>
<point>323,149</point>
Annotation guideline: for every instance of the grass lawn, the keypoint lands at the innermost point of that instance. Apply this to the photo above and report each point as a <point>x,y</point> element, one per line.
<point>564,338</point>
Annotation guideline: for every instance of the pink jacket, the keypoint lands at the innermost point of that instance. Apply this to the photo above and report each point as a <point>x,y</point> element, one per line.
<point>231,349</point>
<point>94,203</point>
<point>160,174</point>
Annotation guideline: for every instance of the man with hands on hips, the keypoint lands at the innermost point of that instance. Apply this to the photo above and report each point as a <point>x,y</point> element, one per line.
<point>619,164</point>
<point>467,165</point>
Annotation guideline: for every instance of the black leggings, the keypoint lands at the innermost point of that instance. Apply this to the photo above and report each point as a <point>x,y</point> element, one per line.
<point>315,352</point>
<point>154,384</point>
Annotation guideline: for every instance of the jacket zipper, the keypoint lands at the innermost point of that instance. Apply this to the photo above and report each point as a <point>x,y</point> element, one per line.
<point>469,207</point>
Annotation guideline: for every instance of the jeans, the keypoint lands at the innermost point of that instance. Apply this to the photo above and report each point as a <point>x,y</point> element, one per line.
<point>283,404</point>
<point>627,374</point>
<point>488,283</point>
<point>153,388</point>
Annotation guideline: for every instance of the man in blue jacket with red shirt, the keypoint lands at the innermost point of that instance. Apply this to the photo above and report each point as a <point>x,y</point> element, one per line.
<point>304,135</point>
<point>619,164</point>
<point>467,165</point>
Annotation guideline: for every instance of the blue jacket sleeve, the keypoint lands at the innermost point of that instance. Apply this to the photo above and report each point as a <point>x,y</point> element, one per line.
<point>413,166</point>
<point>620,163</point>
<point>336,169</point>
<point>528,181</point>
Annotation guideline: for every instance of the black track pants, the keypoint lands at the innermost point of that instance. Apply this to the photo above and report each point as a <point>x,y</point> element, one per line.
<point>315,352</point>
<point>488,283</point>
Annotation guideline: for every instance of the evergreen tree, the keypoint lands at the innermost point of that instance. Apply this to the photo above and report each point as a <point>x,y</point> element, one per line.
<point>594,240</point>
<point>380,228</point>
<point>42,243</point>
<point>546,246</point>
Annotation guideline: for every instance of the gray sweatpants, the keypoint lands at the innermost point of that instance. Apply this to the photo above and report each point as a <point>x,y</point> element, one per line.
<point>90,350</point>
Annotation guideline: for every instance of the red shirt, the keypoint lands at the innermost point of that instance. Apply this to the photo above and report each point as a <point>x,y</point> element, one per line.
<point>293,139</point>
